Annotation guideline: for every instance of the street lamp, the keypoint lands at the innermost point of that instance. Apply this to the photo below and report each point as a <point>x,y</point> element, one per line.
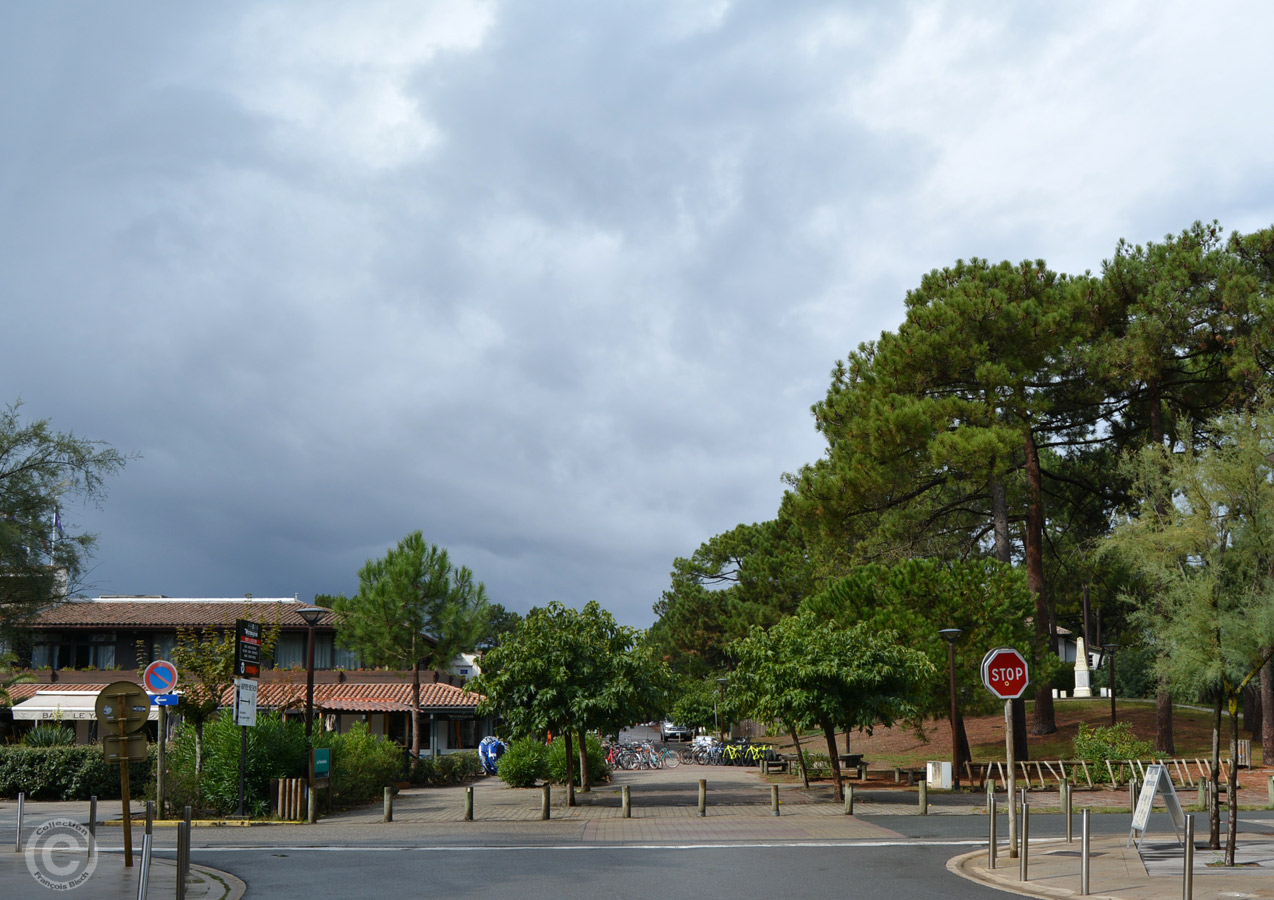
<point>1110,649</point>
<point>311,615</point>
<point>951,634</point>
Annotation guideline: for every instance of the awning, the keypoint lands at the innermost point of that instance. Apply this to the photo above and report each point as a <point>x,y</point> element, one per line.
<point>65,706</point>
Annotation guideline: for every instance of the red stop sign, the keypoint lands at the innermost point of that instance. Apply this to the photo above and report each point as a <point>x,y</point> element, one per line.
<point>1004,673</point>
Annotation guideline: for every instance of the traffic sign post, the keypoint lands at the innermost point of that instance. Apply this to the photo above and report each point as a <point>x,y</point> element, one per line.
<point>160,678</point>
<point>124,708</point>
<point>247,649</point>
<point>1005,674</point>
<point>247,666</point>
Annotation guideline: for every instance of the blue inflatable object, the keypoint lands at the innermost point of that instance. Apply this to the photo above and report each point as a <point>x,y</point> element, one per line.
<point>489,752</point>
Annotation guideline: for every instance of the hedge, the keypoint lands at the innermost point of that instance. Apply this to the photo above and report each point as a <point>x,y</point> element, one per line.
<point>70,773</point>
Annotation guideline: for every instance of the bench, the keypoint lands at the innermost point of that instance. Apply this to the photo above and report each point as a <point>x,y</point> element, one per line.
<point>913,775</point>
<point>854,761</point>
<point>778,764</point>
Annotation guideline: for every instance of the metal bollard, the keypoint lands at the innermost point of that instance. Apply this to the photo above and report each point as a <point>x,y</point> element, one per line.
<point>17,834</point>
<point>1133,791</point>
<point>626,801</point>
<point>143,876</point>
<point>1026,838</point>
<point>544,803</point>
<point>1272,792</point>
<point>1085,838</point>
<point>1070,812</point>
<point>1187,889</point>
<point>924,798</point>
<point>703,796</point>
<point>183,844</point>
<point>468,803</point>
<point>991,840</point>
<point>92,823</point>
<point>774,799</point>
<point>849,800</point>
<point>388,813</point>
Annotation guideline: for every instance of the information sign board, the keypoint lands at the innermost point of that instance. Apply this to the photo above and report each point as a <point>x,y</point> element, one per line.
<point>1157,781</point>
<point>245,702</point>
<point>247,649</point>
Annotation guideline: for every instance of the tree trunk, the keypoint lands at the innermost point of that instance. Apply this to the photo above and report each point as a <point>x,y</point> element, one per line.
<point>962,744</point>
<point>585,784</point>
<point>415,712</point>
<point>1233,788</point>
<point>570,768</point>
<point>1164,741</point>
<point>1021,749</point>
<point>1267,712</point>
<point>1000,521</point>
<point>830,733</point>
<point>800,757</point>
<point>1214,778</point>
<point>1045,721</point>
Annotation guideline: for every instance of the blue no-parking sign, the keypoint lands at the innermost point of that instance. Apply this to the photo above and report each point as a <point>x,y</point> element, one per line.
<point>160,677</point>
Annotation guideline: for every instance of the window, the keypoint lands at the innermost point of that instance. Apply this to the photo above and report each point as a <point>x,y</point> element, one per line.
<point>289,652</point>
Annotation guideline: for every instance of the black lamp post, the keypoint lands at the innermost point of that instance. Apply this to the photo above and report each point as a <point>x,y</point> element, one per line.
<point>1110,649</point>
<point>311,615</point>
<point>951,634</point>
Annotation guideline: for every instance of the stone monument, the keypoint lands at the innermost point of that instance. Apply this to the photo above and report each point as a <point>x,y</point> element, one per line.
<point>1083,675</point>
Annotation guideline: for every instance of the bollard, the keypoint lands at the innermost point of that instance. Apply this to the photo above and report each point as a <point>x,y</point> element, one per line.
<point>991,841</point>
<point>311,799</point>
<point>1272,792</point>
<point>544,803</point>
<point>183,833</point>
<point>626,801</point>
<point>468,803</point>
<point>1133,791</point>
<point>849,800</point>
<point>703,796</point>
<point>143,876</point>
<point>388,815</point>
<point>92,823</point>
<point>1085,837</point>
<point>185,869</point>
<point>1187,890</point>
<point>1070,812</point>
<point>1061,792</point>
<point>17,834</point>
<point>924,798</point>
<point>1026,837</point>
<point>774,799</point>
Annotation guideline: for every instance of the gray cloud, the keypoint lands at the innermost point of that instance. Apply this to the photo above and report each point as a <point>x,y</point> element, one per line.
<point>555,283</point>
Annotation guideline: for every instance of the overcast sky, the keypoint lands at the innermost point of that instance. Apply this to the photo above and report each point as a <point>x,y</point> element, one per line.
<point>554,282</point>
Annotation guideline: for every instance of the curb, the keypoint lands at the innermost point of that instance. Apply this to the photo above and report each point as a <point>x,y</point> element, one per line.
<point>962,865</point>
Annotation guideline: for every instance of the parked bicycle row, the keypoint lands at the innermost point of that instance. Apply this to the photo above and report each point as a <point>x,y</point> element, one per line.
<point>704,751</point>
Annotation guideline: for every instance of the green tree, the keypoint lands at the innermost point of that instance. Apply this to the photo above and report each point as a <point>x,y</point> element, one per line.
<point>806,672</point>
<point>500,624</point>
<point>413,606</point>
<point>41,471</point>
<point>1204,535</point>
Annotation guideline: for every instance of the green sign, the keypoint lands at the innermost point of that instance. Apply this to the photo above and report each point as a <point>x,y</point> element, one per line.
<point>322,762</point>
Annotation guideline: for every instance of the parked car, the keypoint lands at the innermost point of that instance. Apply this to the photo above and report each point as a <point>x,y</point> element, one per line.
<point>670,732</point>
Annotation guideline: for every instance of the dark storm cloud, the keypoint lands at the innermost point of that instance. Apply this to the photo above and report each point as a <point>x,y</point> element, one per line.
<point>555,282</point>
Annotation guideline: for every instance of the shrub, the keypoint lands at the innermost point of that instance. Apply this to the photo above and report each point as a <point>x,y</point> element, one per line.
<point>598,771</point>
<point>276,749</point>
<point>818,765</point>
<point>1095,744</point>
<point>69,773</point>
<point>49,736</point>
<point>452,768</point>
<point>363,764</point>
<point>524,763</point>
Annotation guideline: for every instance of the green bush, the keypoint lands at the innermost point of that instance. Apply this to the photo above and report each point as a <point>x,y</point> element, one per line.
<point>363,764</point>
<point>69,773</point>
<point>524,763</point>
<point>276,749</point>
<point>45,735</point>
<point>818,765</point>
<point>451,768</point>
<point>598,771</point>
<point>1095,744</point>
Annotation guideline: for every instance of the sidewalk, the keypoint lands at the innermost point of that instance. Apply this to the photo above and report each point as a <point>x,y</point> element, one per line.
<point>1119,871</point>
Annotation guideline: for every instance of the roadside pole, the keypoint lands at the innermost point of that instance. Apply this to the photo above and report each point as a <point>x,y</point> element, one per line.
<point>159,761</point>
<point>1011,783</point>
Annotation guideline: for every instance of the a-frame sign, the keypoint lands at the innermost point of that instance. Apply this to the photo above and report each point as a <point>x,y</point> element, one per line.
<point>1158,781</point>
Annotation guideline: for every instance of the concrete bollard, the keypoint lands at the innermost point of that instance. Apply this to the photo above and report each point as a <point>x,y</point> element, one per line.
<point>849,800</point>
<point>626,801</point>
<point>468,803</point>
<point>1187,889</point>
<point>545,798</point>
<point>311,810</point>
<point>388,815</point>
<point>703,797</point>
<point>1085,846</point>
<point>1026,839</point>
<point>924,798</point>
<point>1203,792</point>
<point>774,799</point>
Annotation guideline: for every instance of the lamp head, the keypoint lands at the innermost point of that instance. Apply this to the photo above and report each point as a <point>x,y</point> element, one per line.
<point>311,614</point>
<point>950,633</point>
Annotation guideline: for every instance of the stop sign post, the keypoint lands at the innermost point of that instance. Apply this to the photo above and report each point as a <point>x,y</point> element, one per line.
<point>1005,674</point>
